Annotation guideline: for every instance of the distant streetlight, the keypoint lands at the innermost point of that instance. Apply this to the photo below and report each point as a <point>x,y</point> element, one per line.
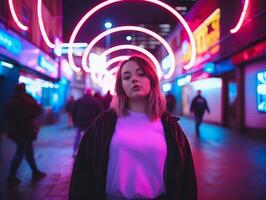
<point>129,38</point>
<point>108,25</point>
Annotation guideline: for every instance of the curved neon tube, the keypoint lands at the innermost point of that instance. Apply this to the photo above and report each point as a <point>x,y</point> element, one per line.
<point>15,17</point>
<point>106,72</point>
<point>139,49</point>
<point>41,25</point>
<point>159,3</point>
<point>241,19</point>
<point>132,28</point>
<point>116,59</point>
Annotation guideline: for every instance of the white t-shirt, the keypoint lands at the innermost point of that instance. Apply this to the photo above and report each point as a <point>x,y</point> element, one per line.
<point>137,157</point>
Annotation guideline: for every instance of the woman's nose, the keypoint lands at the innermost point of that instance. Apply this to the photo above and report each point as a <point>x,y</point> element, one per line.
<point>134,80</point>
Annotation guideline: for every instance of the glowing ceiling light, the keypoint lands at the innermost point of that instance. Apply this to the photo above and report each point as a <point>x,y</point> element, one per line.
<point>242,17</point>
<point>41,25</point>
<point>139,49</point>
<point>166,87</point>
<point>14,15</point>
<point>129,38</point>
<point>157,2</point>
<point>207,84</point>
<point>108,25</point>
<point>132,28</point>
<point>6,64</point>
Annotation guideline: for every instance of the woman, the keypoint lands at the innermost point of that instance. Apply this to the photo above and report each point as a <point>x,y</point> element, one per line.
<point>134,150</point>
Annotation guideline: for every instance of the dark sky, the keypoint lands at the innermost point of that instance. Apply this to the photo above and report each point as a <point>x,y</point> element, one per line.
<point>126,13</point>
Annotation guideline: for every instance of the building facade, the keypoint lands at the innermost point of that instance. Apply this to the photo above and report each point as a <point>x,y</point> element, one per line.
<point>230,62</point>
<point>26,57</point>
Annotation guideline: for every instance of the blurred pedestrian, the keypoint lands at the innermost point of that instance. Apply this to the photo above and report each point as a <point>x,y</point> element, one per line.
<point>99,98</point>
<point>69,110</point>
<point>21,112</point>
<point>84,112</point>
<point>198,107</point>
<point>170,102</point>
<point>107,100</point>
<point>134,150</point>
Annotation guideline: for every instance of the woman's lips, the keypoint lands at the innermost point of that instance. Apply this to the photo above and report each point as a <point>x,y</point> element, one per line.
<point>136,87</point>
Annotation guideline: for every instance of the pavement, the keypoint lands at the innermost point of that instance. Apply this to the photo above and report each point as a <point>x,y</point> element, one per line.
<point>229,165</point>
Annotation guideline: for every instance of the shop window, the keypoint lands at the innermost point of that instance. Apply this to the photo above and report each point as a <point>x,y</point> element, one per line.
<point>261,91</point>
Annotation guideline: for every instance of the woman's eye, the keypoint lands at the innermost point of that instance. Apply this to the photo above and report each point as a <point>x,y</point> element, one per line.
<point>126,77</point>
<point>142,74</point>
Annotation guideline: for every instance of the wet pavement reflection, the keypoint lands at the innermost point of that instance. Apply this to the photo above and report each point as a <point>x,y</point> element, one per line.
<point>229,166</point>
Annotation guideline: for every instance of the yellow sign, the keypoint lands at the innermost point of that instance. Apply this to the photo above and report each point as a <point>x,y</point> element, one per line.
<point>207,36</point>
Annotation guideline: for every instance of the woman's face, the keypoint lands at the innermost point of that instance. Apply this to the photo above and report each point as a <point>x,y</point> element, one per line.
<point>134,81</point>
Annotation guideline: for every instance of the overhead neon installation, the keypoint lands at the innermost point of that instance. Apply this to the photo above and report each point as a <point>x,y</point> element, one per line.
<point>41,25</point>
<point>242,17</point>
<point>108,2</point>
<point>15,17</point>
<point>136,48</point>
<point>115,60</point>
<point>132,28</point>
<point>106,72</point>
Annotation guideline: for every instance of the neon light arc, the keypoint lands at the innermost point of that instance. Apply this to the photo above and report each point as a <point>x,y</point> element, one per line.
<point>15,17</point>
<point>126,28</point>
<point>242,17</point>
<point>135,48</point>
<point>41,25</point>
<point>108,2</point>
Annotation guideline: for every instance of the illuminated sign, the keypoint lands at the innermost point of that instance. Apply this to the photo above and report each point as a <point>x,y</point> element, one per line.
<point>9,42</point>
<point>207,36</point>
<point>45,64</point>
<point>261,91</point>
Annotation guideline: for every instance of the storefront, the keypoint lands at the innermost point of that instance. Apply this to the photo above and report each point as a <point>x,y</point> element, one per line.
<point>230,63</point>
<point>252,62</point>
<point>26,63</point>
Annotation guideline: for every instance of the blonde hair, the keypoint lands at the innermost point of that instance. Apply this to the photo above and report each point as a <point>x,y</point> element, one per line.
<point>155,101</point>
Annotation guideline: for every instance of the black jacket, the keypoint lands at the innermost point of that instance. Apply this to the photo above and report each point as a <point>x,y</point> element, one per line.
<point>88,179</point>
<point>21,112</point>
<point>85,111</point>
<point>199,105</point>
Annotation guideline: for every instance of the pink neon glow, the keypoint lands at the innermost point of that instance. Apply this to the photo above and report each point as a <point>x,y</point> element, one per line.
<point>100,77</point>
<point>15,17</point>
<point>133,28</point>
<point>139,49</point>
<point>159,3</point>
<point>241,19</point>
<point>41,25</point>
<point>116,59</point>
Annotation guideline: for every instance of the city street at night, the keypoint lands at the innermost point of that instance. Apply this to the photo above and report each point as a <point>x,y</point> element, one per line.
<point>169,97</point>
<point>229,166</point>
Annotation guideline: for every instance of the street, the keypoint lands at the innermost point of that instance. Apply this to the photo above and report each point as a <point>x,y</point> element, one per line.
<point>229,166</point>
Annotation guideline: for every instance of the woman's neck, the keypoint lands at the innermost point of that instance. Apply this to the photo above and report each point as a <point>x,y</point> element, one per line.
<point>137,105</point>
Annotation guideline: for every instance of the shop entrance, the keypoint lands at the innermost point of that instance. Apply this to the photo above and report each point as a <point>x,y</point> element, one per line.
<point>231,93</point>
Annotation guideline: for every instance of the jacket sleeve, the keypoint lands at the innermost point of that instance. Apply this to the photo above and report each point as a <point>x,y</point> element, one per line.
<point>83,179</point>
<point>190,181</point>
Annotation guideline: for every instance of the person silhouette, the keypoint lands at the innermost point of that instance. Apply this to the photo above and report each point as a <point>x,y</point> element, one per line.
<point>198,107</point>
<point>21,112</point>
